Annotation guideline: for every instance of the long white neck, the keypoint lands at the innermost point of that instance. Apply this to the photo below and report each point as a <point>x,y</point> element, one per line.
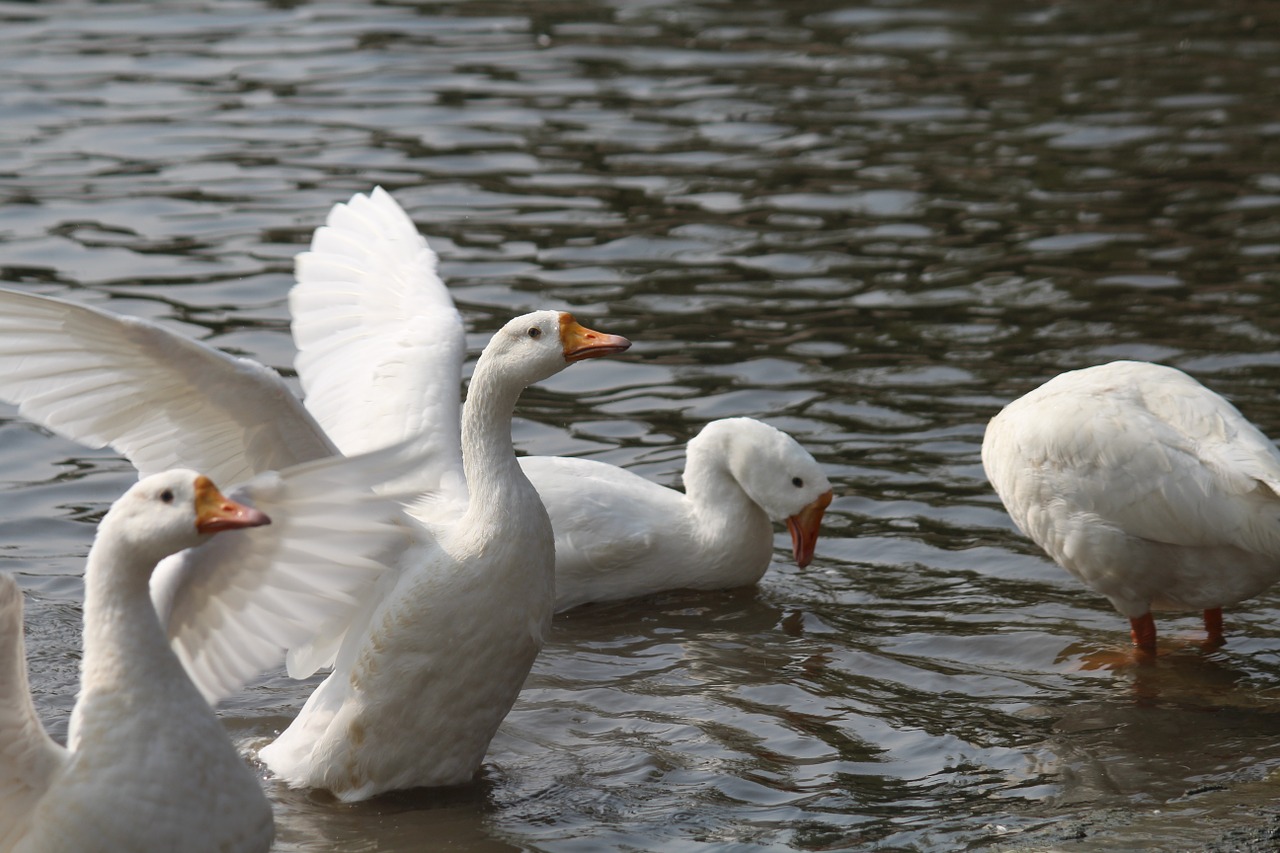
<point>488,457</point>
<point>123,639</point>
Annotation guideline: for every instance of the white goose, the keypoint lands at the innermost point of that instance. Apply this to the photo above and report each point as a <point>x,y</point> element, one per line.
<point>464,583</point>
<point>1148,487</point>
<point>365,290</point>
<point>422,679</point>
<point>147,764</point>
<point>620,536</point>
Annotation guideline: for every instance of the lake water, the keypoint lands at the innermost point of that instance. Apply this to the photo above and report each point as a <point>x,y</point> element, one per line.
<point>870,224</point>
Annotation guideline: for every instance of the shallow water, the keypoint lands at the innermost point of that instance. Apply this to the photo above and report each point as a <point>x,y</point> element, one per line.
<point>871,225</point>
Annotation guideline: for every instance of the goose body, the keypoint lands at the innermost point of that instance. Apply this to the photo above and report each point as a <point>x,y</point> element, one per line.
<point>617,535</point>
<point>147,765</point>
<point>1146,486</point>
<point>421,682</point>
<point>620,536</point>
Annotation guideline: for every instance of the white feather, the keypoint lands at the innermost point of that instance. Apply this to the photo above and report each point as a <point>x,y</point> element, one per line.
<point>1144,484</point>
<point>380,343</point>
<point>162,400</point>
<point>234,605</point>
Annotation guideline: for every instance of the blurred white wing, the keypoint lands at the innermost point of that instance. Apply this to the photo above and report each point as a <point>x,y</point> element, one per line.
<point>380,343</point>
<point>29,759</point>
<point>162,400</point>
<point>234,605</point>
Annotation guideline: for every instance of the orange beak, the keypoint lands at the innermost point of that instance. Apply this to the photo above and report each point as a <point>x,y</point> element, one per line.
<point>803,527</point>
<point>215,513</point>
<point>580,342</point>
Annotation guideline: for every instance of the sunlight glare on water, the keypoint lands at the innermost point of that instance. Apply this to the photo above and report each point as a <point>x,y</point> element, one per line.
<point>870,225</point>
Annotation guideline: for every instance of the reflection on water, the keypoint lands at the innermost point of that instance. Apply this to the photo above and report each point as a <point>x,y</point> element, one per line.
<point>871,225</point>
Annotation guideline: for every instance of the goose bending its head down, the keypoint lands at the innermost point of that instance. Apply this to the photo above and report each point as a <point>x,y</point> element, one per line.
<point>147,765</point>
<point>619,535</point>
<point>425,674</point>
<point>1145,485</point>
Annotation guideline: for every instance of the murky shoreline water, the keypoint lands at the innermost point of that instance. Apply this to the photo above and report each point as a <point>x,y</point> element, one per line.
<point>871,225</point>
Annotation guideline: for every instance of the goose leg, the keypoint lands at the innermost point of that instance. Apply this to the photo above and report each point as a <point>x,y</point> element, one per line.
<point>1213,627</point>
<point>1143,629</point>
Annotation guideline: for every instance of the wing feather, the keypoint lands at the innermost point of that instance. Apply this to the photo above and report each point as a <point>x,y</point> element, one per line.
<point>162,400</point>
<point>234,605</point>
<point>380,343</point>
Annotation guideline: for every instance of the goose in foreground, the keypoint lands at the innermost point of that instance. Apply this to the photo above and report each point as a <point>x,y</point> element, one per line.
<point>364,293</point>
<point>475,568</point>
<point>620,536</point>
<point>147,765</point>
<point>1146,486</point>
<point>423,677</point>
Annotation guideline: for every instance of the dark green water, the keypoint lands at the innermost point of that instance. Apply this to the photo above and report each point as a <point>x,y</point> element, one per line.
<point>871,225</point>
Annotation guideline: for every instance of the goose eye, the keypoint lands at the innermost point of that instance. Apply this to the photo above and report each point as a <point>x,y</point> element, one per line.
<point>167,496</point>
<point>797,482</point>
<point>535,332</point>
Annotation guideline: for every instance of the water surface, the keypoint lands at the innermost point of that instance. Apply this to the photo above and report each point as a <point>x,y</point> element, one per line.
<point>870,225</point>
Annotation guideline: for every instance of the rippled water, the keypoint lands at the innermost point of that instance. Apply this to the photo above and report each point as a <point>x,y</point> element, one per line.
<point>871,225</point>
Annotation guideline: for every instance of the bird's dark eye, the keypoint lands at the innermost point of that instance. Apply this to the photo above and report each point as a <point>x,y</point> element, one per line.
<point>535,332</point>
<point>166,496</point>
<point>797,482</point>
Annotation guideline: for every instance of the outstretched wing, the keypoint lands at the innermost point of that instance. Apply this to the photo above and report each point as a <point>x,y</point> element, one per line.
<point>29,758</point>
<point>162,400</point>
<point>380,343</point>
<point>234,605</point>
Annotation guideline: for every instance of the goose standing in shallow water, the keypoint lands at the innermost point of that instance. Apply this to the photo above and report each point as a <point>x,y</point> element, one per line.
<point>368,293</point>
<point>424,676</point>
<point>147,764</point>
<point>1145,485</point>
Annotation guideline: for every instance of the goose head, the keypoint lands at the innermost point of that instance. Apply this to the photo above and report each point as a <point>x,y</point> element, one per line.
<point>778,474</point>
<point>536,346</point>
<point>172,511</point>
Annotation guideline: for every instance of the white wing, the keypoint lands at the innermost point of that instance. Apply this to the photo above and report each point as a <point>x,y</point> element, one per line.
<point>235,604</point>
<point>380,343</point>
<point>29,759</point>
<point>1143,447</point>
<point>162,400</point>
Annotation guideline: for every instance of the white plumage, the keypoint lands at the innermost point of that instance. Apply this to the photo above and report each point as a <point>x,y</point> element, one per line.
<point>147,765</point>
<point>369,281</point>
<point>427,670</point>
<point>619,535</point>
<point>431,640</point>
<point>1148,487</point>
<point>457,615</point>
<point>233,607</point>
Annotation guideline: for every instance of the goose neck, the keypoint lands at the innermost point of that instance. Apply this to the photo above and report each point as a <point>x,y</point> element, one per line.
<point>488,457</point>
<point>122,633</point>
<point>709,480</point>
